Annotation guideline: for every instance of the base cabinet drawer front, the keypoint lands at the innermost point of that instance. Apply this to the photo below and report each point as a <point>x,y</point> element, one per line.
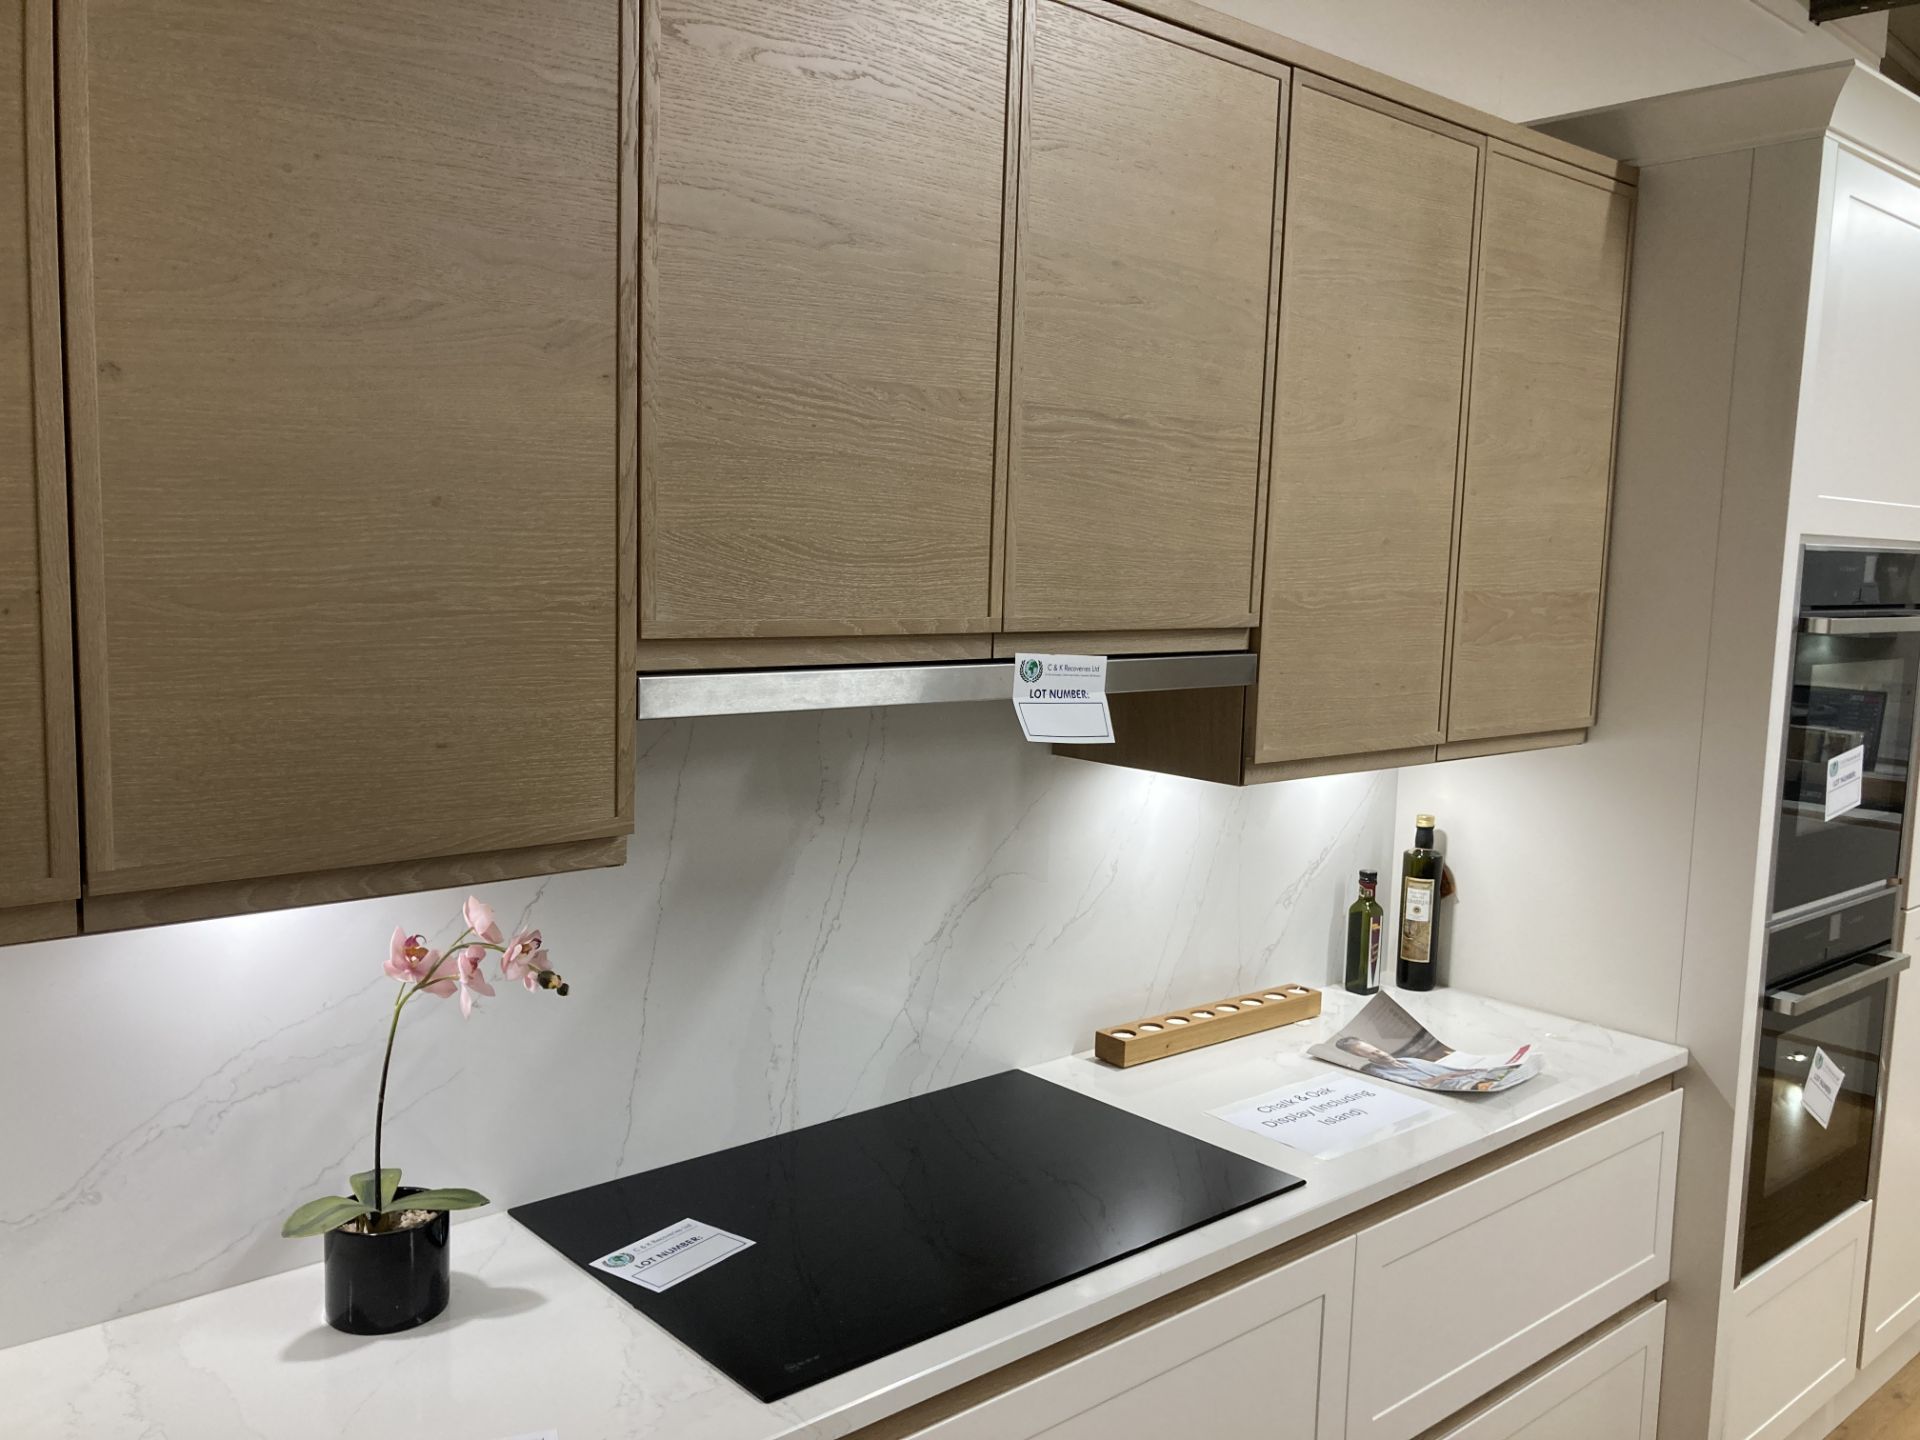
<point>1264,1361</point>
<point>1460,1294</point>
<point>1609,1389</point>
<point>1793,1330</point>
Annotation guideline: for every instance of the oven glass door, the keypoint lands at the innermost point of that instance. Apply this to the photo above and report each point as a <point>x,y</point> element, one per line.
<point>1801,1173</point>
<point>1852,711</point>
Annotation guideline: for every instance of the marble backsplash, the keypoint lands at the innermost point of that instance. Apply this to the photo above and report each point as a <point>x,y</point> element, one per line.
<point>820,913</point>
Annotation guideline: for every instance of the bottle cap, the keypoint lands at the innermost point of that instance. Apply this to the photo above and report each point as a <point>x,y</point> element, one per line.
<point>1369,877</point>
<point>1425,822</point>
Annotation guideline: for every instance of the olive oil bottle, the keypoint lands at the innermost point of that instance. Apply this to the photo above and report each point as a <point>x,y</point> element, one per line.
<point>1363,937</point>
<point>1420,872</point>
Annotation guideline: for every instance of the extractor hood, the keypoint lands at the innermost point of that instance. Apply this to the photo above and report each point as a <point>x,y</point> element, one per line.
<point>754,692</point>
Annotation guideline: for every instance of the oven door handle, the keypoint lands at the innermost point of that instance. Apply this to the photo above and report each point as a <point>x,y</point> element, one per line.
<point>1798,1002</point>
<point>1859,624</point>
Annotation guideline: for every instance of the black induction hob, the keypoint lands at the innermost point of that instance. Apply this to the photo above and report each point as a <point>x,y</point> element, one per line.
<point>878,1230</point>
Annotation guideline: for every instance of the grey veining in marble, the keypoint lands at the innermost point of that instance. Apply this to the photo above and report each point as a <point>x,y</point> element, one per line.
<point>821,913</point>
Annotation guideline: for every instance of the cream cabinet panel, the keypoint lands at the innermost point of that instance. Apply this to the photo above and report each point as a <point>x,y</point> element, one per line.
<point>1461,1293</point>
<point>824,189</point>
<point>1608,1389</point>
<point>1793,1330</point>
<point>1374,301</point>
<point>1141,326</point>
<point>1893,1264</point>
<point>1539,467</point>
<point>1266,1360</point>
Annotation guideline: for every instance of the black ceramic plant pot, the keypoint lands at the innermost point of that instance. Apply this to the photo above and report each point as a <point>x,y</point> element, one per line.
<point>378,1284</point>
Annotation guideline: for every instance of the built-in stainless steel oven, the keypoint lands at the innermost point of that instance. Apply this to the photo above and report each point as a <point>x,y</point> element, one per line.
<point>1844,801</point>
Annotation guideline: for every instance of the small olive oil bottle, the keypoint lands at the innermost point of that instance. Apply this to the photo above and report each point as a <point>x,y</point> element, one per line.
<point>1420,873</point>
<point>1363,937</point>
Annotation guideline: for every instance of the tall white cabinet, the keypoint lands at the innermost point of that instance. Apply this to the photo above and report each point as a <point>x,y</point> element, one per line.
<point>1769,384</point>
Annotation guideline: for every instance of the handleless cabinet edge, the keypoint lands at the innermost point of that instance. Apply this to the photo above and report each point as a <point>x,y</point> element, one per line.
<point>54,852</point>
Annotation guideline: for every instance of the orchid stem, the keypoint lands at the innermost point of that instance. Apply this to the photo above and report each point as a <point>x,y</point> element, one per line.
<point>376,1221</point>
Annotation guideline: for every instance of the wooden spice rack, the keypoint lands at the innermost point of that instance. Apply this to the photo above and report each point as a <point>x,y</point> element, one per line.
<point>1159,1036</point>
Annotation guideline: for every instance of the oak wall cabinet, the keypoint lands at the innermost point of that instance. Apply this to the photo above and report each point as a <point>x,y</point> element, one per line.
<point>1533,529</point>
<point>352,500</point>
<point>1141,325</point>
<point>824,197</point>
<point>39,819</point>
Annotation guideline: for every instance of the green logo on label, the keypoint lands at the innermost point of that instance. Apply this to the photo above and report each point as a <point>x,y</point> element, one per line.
<point>1030,670</point>
<point>614,1261</point>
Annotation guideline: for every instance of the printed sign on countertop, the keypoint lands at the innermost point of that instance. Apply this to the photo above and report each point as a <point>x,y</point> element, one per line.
<point>1328,1117</point>
<point>666,1257</point>
<point>1062,698</point>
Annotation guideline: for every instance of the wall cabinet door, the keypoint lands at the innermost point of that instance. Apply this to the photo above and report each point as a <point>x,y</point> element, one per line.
<point>1141,326</point>
<point>1546,346</point>
<point>823,198</point>
<point>39,826</point>
<point>351,512</point>
<point>1265,1359</point>
<point>1374,301</point>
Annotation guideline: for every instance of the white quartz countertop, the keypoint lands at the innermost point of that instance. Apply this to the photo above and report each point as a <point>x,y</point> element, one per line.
<point>531,1344</point>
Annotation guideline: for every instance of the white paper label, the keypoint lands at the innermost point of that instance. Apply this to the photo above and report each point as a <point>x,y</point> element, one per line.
<point>1062,698</point>
<point>1328,1117</point>
<point>1419,900</point>
<point>1843,781</point>
<point>666,1257</point>
<point>1822,1088</point>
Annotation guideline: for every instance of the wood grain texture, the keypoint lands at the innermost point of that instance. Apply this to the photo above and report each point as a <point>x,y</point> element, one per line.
<point>1140,330</point>
<point>1539,465</point>
<point>345,400</point>
<point>822,225</point>
<point>39,799</point>
<point>1259,40</point>
<point>1375,300</point>
<point>658,655</point>
<point>1510,744</point>
<point>1363,763</point>
<point>1891,1413</point>
<point>324,887</point>
<point>1155,1037</point>
<point>1121,642</point>
<point>50,921</point>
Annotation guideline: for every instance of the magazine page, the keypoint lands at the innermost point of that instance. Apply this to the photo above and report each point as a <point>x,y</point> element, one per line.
<point>1384,1041</point>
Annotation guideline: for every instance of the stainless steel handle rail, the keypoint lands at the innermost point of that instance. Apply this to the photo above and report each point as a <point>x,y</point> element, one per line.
<point>1859,624</point>
<point>1798,1002</point>
<point>758,692</point>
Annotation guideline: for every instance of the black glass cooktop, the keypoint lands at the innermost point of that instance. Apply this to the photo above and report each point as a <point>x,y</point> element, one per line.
<point>877,1230</point>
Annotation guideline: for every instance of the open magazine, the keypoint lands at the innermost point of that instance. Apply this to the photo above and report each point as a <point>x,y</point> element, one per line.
<point>1386,1042</point>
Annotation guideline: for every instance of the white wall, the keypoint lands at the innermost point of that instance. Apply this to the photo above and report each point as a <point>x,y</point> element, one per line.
<point>821,913</point>
<point>1525,59</point>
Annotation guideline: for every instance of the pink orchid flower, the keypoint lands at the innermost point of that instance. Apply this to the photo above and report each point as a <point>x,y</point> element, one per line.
<point>479,917</point>
<point>467,971</point>
<point>408,957</point>
<point>524,959</point>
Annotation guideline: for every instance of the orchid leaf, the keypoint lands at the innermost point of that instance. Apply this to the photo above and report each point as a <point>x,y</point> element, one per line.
<point>363,1189</point>
<point>317,1217</point>
<point>438,1200</point>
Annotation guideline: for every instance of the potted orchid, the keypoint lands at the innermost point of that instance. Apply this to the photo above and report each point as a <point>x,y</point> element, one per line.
<point>386,1244</point>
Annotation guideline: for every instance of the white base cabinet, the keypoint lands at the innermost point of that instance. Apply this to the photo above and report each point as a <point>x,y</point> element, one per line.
<point>1794,1330</point>
<point>1608,1389</point>
<point>1266,1360</point>
<point>1893,1262</point>
<point>1458,1295</point>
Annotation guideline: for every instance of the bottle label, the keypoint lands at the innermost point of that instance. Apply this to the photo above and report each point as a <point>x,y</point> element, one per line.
<point>1416,921</point>
<point>1373,951</point>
